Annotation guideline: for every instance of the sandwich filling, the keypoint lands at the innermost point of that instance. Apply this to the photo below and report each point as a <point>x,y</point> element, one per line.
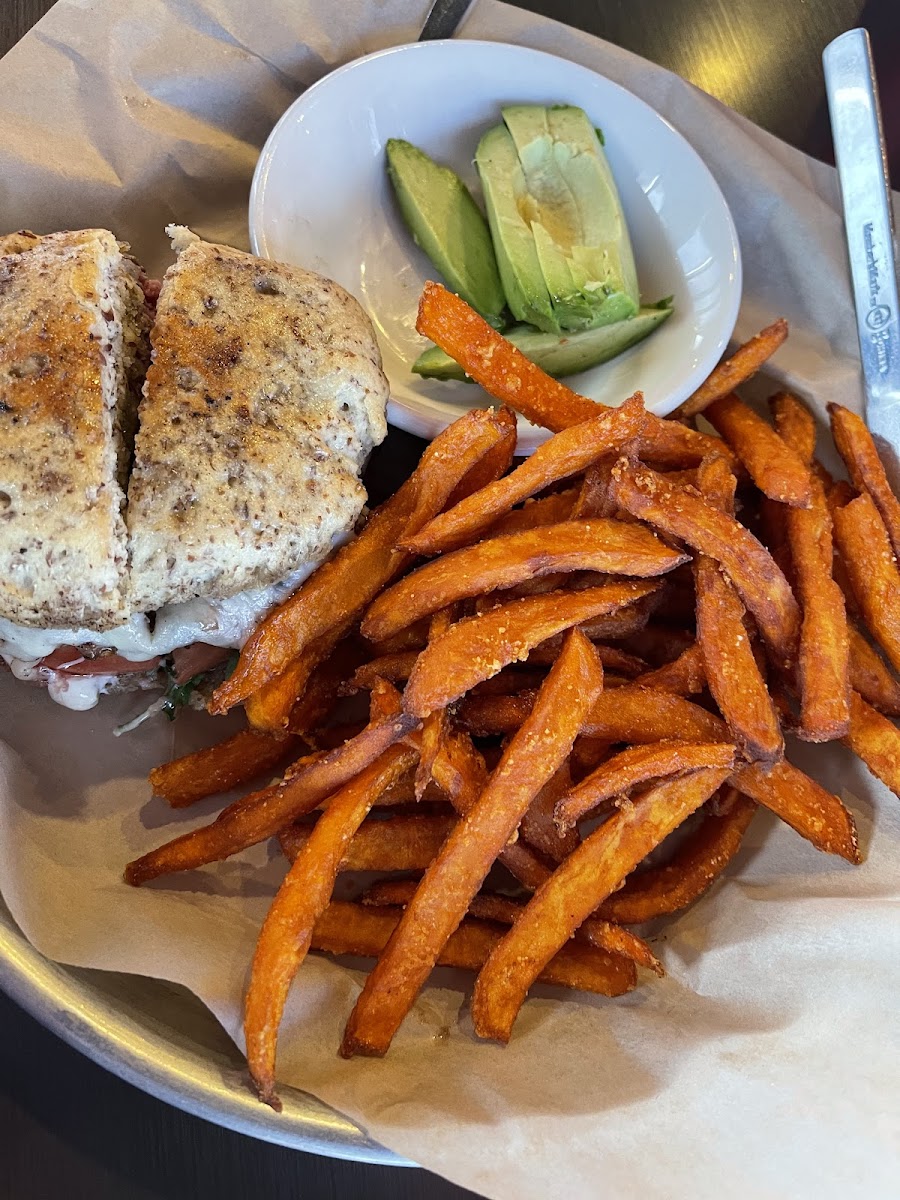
<point>186,640</point>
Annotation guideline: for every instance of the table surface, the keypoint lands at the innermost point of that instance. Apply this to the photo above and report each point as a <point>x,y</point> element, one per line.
<point>69,1128</point>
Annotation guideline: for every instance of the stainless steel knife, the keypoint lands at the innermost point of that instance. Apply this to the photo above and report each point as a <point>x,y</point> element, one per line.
<point>868,219</point>
<point>443,19</point>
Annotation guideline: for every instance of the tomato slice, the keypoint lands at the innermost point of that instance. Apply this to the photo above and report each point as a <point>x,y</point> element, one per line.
<point>188,661</point>
<point>69,660</point>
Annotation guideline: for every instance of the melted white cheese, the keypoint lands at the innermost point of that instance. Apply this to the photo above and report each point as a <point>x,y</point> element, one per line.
<point>78,692</point>
<point>226,623</point>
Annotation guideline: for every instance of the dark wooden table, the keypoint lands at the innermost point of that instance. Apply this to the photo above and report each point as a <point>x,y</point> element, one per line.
<point>71,1130</point>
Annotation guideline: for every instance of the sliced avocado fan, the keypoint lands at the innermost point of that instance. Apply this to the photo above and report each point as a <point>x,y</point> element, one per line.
<point>448,225</point>
<point>556,219</point>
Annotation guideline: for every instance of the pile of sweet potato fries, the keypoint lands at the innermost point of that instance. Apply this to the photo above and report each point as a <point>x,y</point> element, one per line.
<point>564,660</point>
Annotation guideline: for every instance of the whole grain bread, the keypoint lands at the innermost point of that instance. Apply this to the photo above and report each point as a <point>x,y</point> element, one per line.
<point>264,397</point>
<point>70,306</point>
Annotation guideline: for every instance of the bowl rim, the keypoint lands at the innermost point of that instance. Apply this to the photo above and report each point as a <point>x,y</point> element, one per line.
<point>427,423</point>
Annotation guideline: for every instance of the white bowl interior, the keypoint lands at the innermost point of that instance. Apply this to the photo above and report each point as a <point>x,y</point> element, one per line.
<point>321,199</point>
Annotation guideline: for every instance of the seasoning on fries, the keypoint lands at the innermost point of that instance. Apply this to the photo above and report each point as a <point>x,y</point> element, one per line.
<point>574,891</point>
<point>732,672</point>
<point>565,660</point>
<point>734,371</point>
<point>533,755</point>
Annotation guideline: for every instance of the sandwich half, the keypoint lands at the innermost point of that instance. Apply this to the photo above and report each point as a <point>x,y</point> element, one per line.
<point>143,560</point>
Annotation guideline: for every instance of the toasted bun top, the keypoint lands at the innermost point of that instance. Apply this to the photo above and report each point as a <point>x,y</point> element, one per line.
<point>62,539</point>
<point>264,397</point>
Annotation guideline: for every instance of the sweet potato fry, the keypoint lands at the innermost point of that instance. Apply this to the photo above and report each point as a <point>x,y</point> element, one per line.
<point>670,445</point>
<point>824,656</point>
<point>607,935</point>
<point>340,589</point>
<point>627,622</point>
<point>538,827</point>
<point>734,678</point>
<point>803,804</point>
<point>323,687</point>
<point>484,471</point>
<point>865,547</point>
<point>469,466</point>
<point>619,661</point>
<point>876,740</point>
<point>491,906</point>
<point>237,760</point>
<point>503,562</point>
<point>529,761</point>
<point>684,676</point>
<point>261,815</point>
<point>345,928</point>
<point>635,715</point>
<point>748,564</point>
<point>435,730</point>
<point>396,667</point>
<point>594,499</point>
<point>384,702</point>
<point>588,753</point>
<point>496,364</point>
<point>871,677</point>
<point>548,510</point>
<point>304,894</point>
<point>269,708</point>
<point>336,735</point>
<point>686,477</point>
<point>838,493</point>
<point>842,579</point>
<point>436,723</point>
<point>460,772</point>
<point>772,527</point>
<point>857,448</point>
<point>795,425</point>
<point>635,766</point>
<point>567,453</point>
<point>575,890</point>
<point>538,586</point>
<point>691,871</point>
<point>775,468</point>
<point>479,647</point>
<point>413,637</point>
<point>638,714</point>
<point>628,714</point>
<point>734,371</point>
<point>525,864</point>
<point>406,842</point>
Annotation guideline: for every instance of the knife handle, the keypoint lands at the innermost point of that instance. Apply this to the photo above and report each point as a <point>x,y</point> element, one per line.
<point>861,159</point>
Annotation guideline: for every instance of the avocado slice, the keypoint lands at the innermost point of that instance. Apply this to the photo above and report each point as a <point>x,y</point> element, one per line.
<point>505,195</point>
<point>560,356</point>
<point>448,225</point>
<point>565,194</point>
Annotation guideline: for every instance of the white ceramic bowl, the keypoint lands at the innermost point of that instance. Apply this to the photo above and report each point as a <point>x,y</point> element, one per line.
<point>321,199</point>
